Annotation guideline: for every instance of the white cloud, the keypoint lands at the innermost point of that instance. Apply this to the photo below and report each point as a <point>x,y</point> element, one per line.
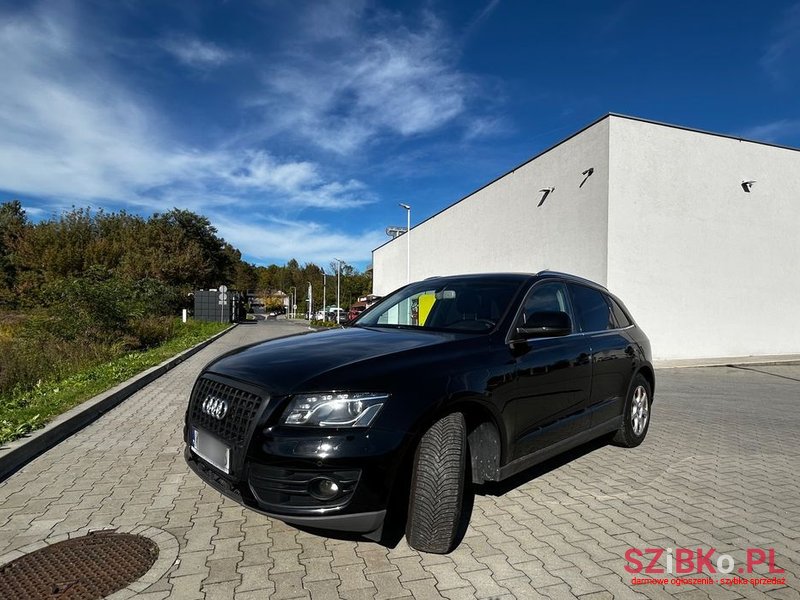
<point>75,129</point>
<point>72,133</point>
<point>63,127</point>
<point>486,126</point>
<point>197,53</point>
<point>261,171</point>
<point>773,131</point>
<point>34,211</point>
<point>370,79</point>
<point>782,50</point>
<point>331,20</point>
<point>313,241</point>
<point>482,16</point>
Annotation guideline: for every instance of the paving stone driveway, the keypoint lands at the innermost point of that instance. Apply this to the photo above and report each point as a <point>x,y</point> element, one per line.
<point>720,469</point>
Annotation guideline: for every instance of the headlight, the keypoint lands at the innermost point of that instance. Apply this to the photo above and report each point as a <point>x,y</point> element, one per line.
<point>334,409</point>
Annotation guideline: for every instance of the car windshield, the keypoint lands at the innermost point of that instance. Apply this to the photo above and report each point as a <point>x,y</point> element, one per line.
<point>459,305</point>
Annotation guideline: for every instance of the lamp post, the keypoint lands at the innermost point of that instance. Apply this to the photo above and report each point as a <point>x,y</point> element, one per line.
<point>408,241</point>
<point>292,300</point>
<point>310,314</point>
<point>339,262</point>
<point>324,293</point>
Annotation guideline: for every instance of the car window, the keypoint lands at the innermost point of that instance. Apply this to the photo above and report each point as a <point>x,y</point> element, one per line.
<point>467,305</point>
<point>619,314</point>
<point>545,297</point>
<point>594,313</point>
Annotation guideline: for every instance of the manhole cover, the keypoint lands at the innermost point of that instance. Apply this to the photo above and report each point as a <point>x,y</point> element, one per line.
<point>85,568</point>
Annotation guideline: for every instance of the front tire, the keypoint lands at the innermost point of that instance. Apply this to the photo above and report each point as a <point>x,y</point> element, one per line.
<point>636,415</point>
<point>437,486</point>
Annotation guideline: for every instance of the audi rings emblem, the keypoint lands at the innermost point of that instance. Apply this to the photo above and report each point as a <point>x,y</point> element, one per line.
<point>215,407</point>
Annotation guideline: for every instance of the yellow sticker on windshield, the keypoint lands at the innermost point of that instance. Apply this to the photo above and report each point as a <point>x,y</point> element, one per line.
<point>425,305</point>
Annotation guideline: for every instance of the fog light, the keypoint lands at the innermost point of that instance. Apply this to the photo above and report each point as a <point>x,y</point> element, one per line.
<point>323,488</point>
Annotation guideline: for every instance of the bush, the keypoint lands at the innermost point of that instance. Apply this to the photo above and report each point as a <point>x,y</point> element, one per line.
<point>316,323</point>
<point>94,305</point>
<point>26,361</point>
<point>152,331</point>
<point>84,321</point>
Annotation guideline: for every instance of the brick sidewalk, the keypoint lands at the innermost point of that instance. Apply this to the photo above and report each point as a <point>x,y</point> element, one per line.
<point>719,469</point>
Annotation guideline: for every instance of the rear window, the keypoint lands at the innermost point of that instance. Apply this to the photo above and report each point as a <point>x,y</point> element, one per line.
<point>592,310</point>
<point>619,313</point>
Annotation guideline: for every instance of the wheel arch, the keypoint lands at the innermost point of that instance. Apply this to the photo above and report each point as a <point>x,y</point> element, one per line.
<point>485,438</point>
<point>647,372</point>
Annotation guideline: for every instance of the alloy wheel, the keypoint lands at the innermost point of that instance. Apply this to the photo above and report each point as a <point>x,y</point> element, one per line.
<point>640,410</point>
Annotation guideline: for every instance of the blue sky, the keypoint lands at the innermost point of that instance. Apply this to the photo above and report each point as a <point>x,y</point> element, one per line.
<point>298,127</point>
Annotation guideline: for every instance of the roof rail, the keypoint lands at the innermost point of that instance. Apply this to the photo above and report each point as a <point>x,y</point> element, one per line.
<point>571,277</point>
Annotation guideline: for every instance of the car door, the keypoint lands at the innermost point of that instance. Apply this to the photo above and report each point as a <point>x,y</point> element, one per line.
<point>611,351</point>
<point>551,383</point>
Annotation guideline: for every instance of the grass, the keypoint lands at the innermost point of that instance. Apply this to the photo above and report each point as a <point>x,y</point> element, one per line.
<point>23,410</point>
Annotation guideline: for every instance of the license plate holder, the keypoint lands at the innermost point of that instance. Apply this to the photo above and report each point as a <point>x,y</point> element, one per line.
<point>210,449</point>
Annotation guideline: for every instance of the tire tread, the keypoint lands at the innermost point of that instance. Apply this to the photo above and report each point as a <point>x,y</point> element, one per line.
<point>437,486</point>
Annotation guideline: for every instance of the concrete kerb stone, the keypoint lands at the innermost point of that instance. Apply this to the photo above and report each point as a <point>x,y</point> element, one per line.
<point>16,454</point>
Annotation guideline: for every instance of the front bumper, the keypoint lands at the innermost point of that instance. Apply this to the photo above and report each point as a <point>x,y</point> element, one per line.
<point>275,469</point>
<point>368,523</point>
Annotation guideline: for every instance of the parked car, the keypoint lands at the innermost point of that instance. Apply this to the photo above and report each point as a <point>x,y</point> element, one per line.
<point>337,315</point>
<point>354,311</point>
<point>444,382</point>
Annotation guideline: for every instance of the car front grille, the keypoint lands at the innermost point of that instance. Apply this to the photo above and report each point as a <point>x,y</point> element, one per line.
<point>242,407</point>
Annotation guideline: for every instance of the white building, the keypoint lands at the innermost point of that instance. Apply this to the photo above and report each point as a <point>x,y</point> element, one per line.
<point>663,216</point>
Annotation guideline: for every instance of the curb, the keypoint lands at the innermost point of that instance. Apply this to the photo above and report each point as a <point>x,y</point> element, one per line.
<point>15,455</point>
<point>730,361</point>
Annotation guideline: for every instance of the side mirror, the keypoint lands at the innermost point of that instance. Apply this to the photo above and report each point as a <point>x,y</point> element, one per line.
<point>548,323</point>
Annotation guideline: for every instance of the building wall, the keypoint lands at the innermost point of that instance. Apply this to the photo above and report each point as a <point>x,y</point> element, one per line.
<point>707,269</point>
<point>500,228</point>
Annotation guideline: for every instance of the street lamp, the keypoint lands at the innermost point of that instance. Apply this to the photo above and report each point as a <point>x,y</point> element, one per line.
<point>408,241</point>
<point>324,293</point>
<point>292,300</point>
<point>339,262</point>
<point>310,314</point>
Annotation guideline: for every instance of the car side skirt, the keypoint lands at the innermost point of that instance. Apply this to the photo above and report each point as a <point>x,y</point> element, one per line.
<point>525,462</point>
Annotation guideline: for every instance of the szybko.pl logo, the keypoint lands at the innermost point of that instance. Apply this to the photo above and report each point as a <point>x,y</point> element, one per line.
<point>696,561</point>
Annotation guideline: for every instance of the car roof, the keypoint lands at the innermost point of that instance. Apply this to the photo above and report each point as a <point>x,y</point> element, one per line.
<point>511,277</point>
<point>569,277</point>
<point>519,277</point>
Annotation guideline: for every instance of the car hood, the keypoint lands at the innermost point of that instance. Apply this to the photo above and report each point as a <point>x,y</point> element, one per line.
<point>282,365</point>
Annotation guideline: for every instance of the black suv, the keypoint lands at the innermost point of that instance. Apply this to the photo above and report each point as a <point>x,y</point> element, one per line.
<point>443,382</point>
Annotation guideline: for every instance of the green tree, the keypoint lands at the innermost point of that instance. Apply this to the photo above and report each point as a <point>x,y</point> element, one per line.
<point>13,222</point>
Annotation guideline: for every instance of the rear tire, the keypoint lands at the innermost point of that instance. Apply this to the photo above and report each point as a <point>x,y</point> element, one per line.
<point>437,486</point>
<point>636,415</point>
